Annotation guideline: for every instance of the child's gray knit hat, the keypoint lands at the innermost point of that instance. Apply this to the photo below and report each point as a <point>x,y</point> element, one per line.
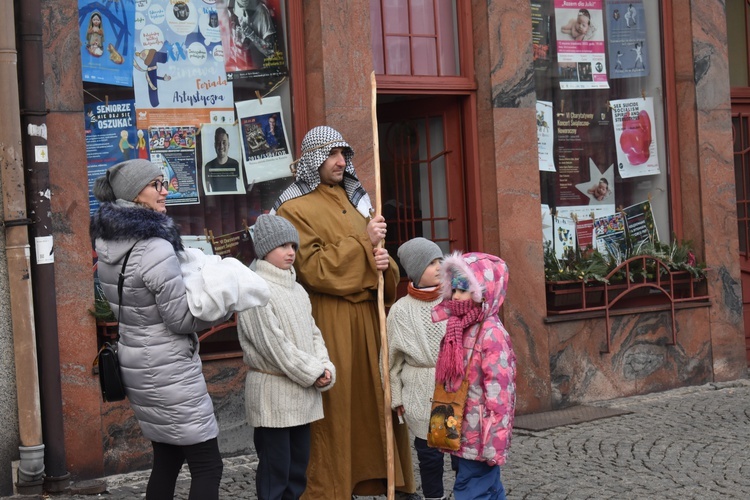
<point>416,254</point>
<point>271,231</point>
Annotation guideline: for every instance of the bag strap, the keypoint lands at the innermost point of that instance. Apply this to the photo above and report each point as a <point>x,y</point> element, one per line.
<point>120,282</point>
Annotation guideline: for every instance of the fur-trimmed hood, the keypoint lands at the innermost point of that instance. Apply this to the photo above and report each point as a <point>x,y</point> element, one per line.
<point>126,222</point>
<point>487,276</point>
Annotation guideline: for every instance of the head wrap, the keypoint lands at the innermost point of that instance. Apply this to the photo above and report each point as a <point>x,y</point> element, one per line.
<point>415,255</point>
<point>271,231</point>
<point>316,146</point>
<point>125,180</point>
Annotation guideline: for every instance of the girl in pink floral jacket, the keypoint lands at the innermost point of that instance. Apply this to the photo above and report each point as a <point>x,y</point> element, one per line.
<point>477,345</point>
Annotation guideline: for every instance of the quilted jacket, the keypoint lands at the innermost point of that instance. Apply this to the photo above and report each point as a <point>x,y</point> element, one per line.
<point>488,357</point>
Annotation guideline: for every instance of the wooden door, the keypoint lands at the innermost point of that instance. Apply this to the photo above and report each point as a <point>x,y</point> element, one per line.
<point>422,171</point>
<point>741,139</point>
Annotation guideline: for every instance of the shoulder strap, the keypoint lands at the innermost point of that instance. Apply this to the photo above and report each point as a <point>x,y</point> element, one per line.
<point>120,282</point>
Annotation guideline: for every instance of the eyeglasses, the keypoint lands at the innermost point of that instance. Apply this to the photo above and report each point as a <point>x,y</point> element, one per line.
<point>159,185</point>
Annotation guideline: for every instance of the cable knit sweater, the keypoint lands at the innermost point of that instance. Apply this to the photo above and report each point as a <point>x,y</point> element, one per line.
<point>413,345</point>
<point>286,354</point>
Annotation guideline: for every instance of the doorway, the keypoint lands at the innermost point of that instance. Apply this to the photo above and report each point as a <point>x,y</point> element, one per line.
<point>422,171</point>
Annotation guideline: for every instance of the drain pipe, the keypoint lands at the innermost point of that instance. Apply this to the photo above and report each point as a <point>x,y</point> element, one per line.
<point>34,123</point>
<point>31,468</point>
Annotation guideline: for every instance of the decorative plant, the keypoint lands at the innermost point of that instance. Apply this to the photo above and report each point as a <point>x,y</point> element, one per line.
<point>101,310</point>
<point>593,266</point>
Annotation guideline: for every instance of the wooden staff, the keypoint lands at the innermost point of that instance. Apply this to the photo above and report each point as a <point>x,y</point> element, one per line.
<point>389,444</point>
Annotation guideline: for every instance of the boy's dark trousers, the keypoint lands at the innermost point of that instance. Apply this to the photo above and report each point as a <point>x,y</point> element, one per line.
<point>431,468</point>
<point>283,454</point>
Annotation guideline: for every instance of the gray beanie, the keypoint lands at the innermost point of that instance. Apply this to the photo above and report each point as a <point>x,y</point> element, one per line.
<point>125,180</point>
<point>416,254</point>
<point>271,231</point>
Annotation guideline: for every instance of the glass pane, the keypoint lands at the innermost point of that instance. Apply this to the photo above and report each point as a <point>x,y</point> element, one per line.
<point>398,59</point>
<point>448,38</point>
<point>577,118</point>
<point>396,16</point>
<point>424,56</point>
<point>422,17</point>
<point>737,43</point>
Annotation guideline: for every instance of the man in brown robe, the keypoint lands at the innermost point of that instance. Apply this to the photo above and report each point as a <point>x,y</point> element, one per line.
<point>338,263</point>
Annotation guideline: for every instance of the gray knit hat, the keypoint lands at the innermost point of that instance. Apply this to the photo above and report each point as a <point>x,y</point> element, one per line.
<point>125,180</point>
<point>416,254</point>
<point>271,231</point>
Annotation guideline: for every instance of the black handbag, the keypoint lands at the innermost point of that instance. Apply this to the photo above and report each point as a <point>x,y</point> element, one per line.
<point>110,378</point>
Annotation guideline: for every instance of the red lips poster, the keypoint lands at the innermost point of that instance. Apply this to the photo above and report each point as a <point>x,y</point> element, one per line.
<point>635,137</point>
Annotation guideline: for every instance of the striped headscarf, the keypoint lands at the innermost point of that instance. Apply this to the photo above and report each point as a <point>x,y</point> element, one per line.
<point>316,147</point>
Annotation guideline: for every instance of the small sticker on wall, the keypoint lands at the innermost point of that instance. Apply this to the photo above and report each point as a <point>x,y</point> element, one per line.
<point>45,251</point>
<point>40,154</point>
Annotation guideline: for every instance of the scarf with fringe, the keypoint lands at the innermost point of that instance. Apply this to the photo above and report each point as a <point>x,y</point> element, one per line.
<point>449,368</point>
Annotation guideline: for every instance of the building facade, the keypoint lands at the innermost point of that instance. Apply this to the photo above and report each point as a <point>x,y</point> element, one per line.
<point>468,156</point>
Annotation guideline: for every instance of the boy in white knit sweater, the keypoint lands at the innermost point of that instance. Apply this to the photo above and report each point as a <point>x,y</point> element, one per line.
<point>288,365</point>
<point>413,345</point>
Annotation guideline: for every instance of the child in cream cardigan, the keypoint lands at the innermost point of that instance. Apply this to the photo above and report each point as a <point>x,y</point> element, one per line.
<point>288,365</point>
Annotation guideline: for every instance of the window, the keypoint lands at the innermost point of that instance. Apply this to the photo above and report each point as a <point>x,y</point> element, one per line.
<point>601,118</point>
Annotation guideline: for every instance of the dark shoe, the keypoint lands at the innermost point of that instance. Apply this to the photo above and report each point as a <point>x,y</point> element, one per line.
<point>400,495</point>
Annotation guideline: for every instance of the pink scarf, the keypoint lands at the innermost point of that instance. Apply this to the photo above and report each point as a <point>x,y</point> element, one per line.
<point>449,368</point>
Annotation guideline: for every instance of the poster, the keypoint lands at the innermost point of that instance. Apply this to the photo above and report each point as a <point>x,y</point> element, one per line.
<point>610,235</point>
<point>635,137</point>
<point>545,136</point>
<point>626,37</point>
<point>178,68</point>
<point>265,144</point>
<point>640,223</point>
<point>585,234</point>
<point>238,245</point>
<point>173,148</point>
<point>222,167</point>
<point>111,137</point>
<point>581,61</point>
<point>540,35</point>
<point>106,33</point>
<point>253,38</point>
<point>563,235</point>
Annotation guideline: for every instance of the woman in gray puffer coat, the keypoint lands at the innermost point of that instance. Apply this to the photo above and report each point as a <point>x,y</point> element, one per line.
<point>158,352</point>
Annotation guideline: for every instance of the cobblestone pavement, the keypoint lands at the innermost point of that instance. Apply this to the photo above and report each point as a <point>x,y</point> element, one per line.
<point>688,443</point>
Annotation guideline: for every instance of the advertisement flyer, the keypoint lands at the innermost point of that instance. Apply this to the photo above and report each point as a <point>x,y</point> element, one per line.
<point>106,32</point>
<point>178,68</point>
<point>173,148</point>
<point>265,149</point>
<point>540,35</point>
<point>626,37</point>
<point>238,245</point>
<point>111,137</point>
<point>581,60</point>
<point>222,169</point>
<point>635,137</point>
<point>545,136</point>
<point>610,234</point>
<point>252,37</point>
<point>640,223</point>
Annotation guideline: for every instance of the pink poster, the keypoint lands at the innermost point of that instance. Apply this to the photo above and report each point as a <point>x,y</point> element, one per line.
<point>581,60</point>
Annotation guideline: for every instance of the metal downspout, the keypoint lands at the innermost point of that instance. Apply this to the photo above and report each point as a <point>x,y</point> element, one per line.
<point>34,123</point>
<point>31,469</point>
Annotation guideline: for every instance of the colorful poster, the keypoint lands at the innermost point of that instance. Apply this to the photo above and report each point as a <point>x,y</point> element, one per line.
<point>111,137</point>
<point>178,69</point>
<point>545,136</point>
<point>581,61</point>
<point>610,235</point>
<point>222,170</point>
<point>626,37</point>
<point>635,137</point>
<point>253,39</point>
<point>106,32</point>
<point>173,148</point>
<point>265,144</point>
